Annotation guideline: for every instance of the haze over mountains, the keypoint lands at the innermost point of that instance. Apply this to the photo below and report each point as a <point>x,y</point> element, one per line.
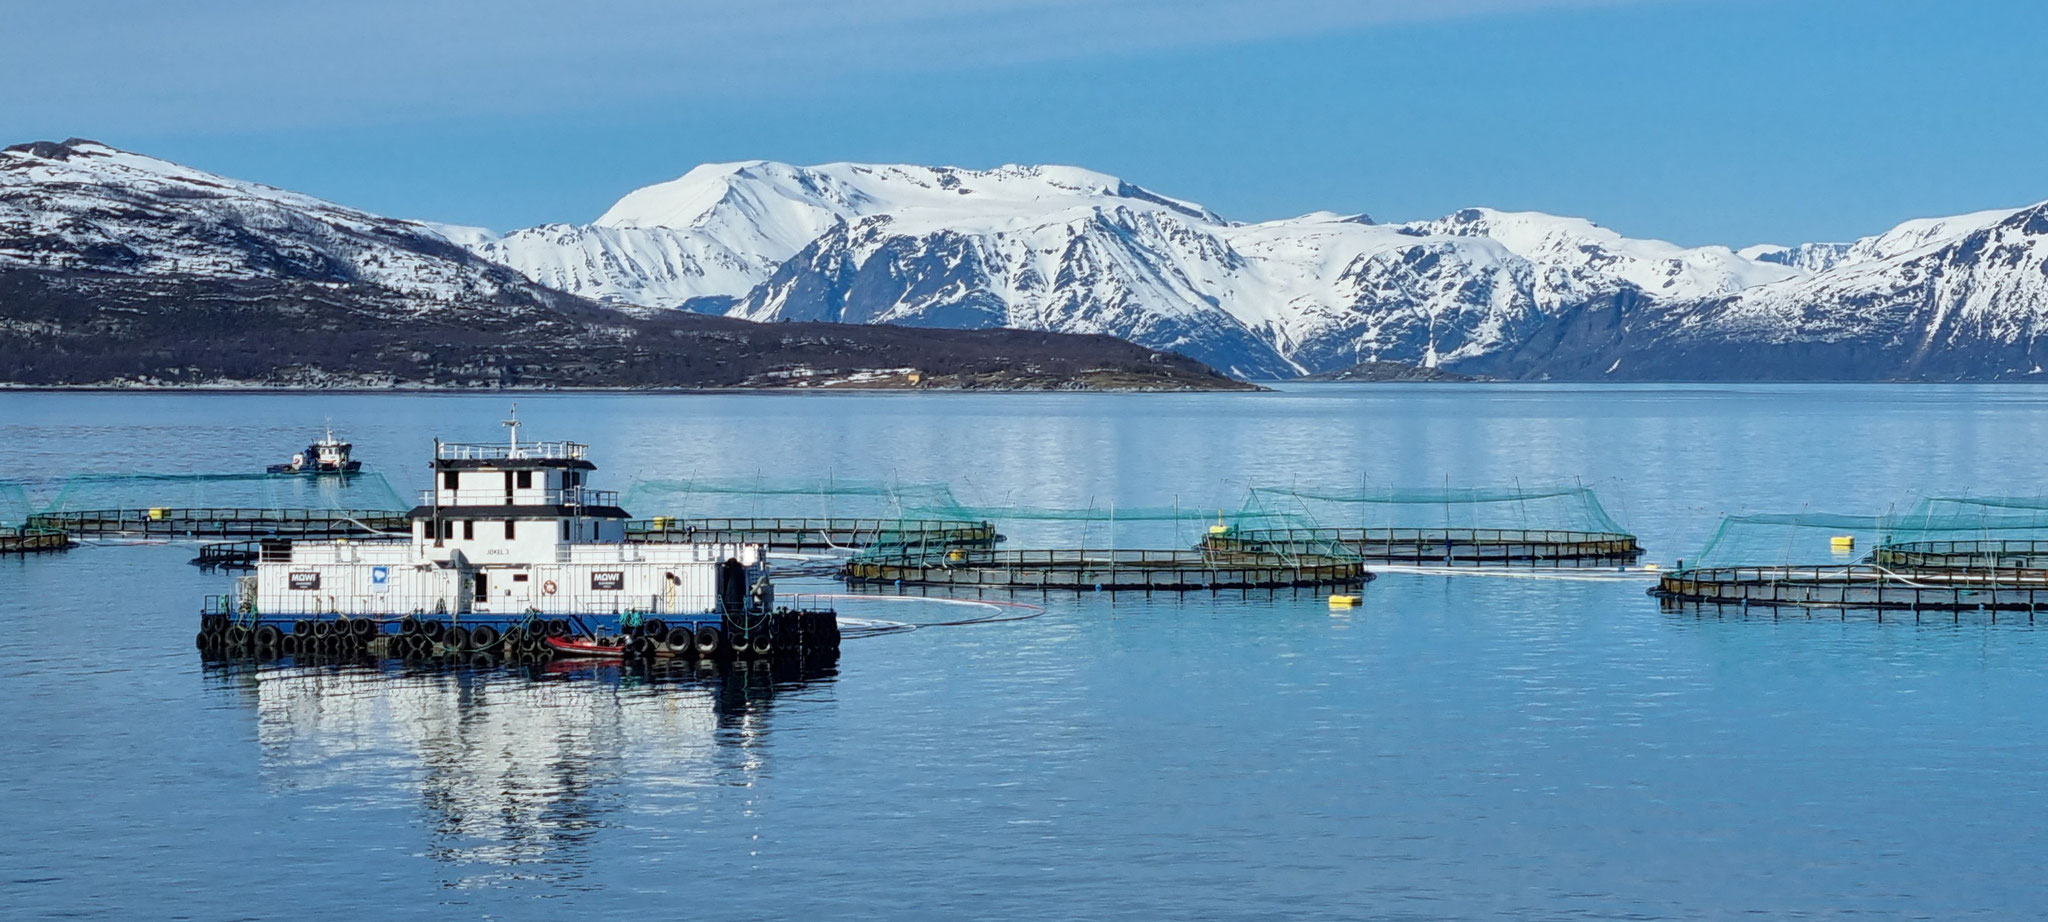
<point>1062,249</point>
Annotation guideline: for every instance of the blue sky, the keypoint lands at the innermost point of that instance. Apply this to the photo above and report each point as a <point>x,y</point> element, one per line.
<point>1699,121</point>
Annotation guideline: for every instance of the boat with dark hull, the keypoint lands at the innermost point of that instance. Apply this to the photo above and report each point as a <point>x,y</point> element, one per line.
<point>329,455</point>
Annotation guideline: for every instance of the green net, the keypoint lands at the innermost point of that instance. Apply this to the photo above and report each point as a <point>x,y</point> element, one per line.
<point>1562,507</point>
<point>1980,518</point>
<point>1792,539</point>
<point>1103,525</point>
<point>97,492</point>
<point>764,499</point>
<point>14,503</point>
<point>1821,538</point>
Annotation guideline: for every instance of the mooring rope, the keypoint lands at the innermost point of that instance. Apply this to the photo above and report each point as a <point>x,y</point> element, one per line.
<point>1003,612</point>
<point>1565,574</point>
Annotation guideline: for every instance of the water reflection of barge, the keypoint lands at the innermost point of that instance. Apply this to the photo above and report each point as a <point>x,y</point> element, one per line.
<point>508,549</point>
<point>513,765</point>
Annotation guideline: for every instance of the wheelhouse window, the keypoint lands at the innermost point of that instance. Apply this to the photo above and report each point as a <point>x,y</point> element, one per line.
<point>526,480</point>
<point>508,530</point>
<point>468,530</point>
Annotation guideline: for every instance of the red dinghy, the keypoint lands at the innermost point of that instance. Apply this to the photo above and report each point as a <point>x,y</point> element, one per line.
<point>583,646</point>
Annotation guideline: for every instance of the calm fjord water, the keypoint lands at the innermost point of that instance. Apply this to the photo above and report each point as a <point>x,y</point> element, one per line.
<point>1456,747</point>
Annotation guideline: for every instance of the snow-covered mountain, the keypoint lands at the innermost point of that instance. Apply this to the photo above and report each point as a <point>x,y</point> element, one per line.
<point>1056,249</point>
<point>121,269</point>
<point>705,239</point>
<point>1953,298</point>
<point>81,205</point>
<point>1064,249</point>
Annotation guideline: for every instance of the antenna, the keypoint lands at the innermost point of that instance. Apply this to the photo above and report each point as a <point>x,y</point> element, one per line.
<point>512,423</point>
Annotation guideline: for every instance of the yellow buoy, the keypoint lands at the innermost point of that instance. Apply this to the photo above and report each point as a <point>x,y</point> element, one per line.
<point>1344,601</point>
<point>1651,567</point>
<point>956,555</point>
<point>157,514</point>
<point>1842,543</point>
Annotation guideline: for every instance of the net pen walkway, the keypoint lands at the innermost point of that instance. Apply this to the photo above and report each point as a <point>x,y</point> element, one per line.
<point>1108,570</point>
<point>223,523</point>
<point>1441,546</point>
<point>816,534</point>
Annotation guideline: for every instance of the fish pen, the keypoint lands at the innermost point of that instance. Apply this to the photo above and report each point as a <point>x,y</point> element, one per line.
<point>1557,526</point>
<point>29,540</point>
<point>824,499</point>
<point>222,506</point>
<point>223,523</point>
<point>17,538</point>
<point>1851,586</point>
<point>1986,554</point>
<point>1107,570</point>
<point>1473,547</point>
<point>814,534</point>
<point>1812,560</point>
<point>1962,532</point>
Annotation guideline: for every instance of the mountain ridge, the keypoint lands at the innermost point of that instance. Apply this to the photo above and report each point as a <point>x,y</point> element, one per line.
<point>1061,248</point>
<point>1507,295</point>
<point>118,269</point>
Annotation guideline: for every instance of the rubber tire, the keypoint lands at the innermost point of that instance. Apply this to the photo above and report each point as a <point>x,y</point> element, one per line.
<point>681,641</point>
<point>433,630</point>
<point>654,628</point>
<point>364,627</point>
<point>709,641</point>
<point>302,627</point>
<point>456,638</point>
<point>558,628</point>
<point>483,637</point>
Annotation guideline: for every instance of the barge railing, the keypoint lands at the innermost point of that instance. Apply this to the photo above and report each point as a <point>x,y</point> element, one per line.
<point>572,496</point>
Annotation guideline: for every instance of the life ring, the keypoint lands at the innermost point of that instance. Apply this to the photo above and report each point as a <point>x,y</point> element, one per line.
<point>547,588</point>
